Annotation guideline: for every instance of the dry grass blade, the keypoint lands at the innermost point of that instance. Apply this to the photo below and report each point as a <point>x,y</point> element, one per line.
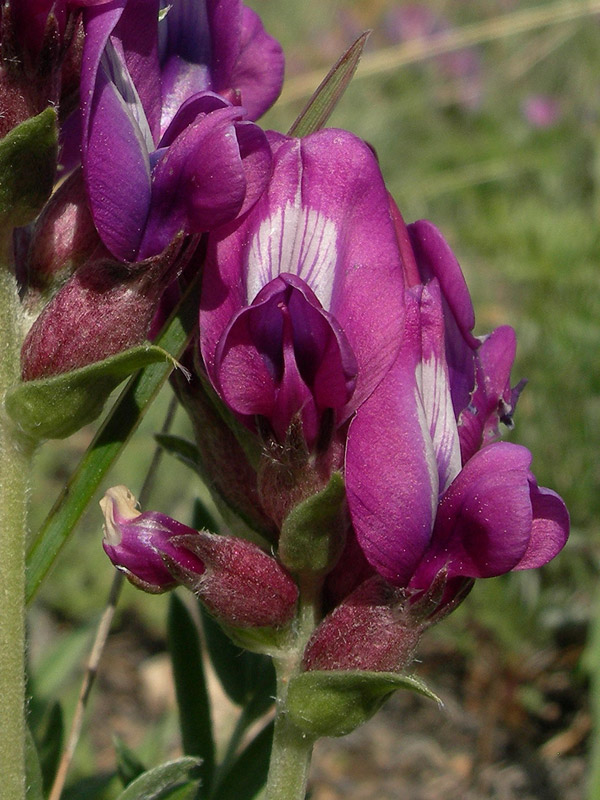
<point>415,50</point>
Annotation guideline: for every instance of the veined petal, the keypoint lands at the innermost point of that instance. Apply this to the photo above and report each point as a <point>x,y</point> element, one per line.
<point>435,259</point>
<point>433,383</point>
<point>113,144</point>
<point>325,219</point>
<point>137,32</point>
<point>115,147</point>
<point>115,69</point>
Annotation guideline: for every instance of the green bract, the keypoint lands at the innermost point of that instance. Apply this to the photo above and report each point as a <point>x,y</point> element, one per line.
<point>334,703</point>
<point>27,167</point>
<point>314,532</point>
<point>56,407</point>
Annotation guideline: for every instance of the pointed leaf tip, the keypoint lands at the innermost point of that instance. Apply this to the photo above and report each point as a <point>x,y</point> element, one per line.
<point>329,93</point>
<point>56,407</point>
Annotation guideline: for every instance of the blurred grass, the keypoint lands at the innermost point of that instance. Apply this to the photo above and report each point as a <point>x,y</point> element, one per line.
<point>519,204</point>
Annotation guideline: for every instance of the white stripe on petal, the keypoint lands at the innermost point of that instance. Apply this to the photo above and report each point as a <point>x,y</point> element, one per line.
<point>298,240</point>
<point>437,405</point>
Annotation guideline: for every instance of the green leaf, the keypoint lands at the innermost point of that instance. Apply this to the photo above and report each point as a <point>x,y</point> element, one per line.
<point>102,786</point>
<point>182,449</point>
<point>109,442</point>
<point>162,782</point>
<point>314,532</point>
<point>56,407</point>
<point>248,774</point>
<point>49,738</point>
<point>243,675</point>
<point>27,168</point>
<point>334,703</point>
<point>190,686</point>
<point>33,771</point>
<point>129,766</point>
<point>202,519</point>
<point>329,92</point>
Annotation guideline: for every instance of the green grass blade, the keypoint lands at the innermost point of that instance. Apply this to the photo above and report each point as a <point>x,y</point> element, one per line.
<point>190,686</point>
<point>241,673</point>
<point>248,774</point>
<point>108,444</point>
<point>329,92</point>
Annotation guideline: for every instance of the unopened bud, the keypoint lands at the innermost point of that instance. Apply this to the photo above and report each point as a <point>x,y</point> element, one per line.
<point>240,585</point>
<point>103,309</point>
<point>136,542</point>
<point>373,629</point>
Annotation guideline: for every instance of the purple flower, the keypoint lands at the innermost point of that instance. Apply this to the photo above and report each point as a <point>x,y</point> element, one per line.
<point>429,490</point>
<point>218,46</point>
<point>301,310</point>
<point>239,583</point>
<point>208,166</point>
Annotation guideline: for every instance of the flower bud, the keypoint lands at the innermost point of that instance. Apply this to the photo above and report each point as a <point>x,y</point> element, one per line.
<point>240,585</point>
<point>136,542</point>
<point>374,629</point>
<point>62,239</point>
<point>104,308</point>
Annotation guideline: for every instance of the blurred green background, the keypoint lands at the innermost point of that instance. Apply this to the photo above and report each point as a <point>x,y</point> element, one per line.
<point>498,143</point>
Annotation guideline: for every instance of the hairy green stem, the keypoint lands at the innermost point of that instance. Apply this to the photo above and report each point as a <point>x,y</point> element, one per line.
<point>15,464</point>
<point>292,749</point>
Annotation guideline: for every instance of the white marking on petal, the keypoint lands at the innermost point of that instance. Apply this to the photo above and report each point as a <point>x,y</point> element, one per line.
<point>113,64</point>
<point>437,405</point>
<point>430,454</point>
<point>298,240</point>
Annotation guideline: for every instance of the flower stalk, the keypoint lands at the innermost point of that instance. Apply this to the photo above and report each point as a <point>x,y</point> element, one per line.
<point>15,463</point>
<point>292,748</point>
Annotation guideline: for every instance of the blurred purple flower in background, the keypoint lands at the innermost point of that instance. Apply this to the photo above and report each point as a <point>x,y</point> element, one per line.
<point>462,69</point>
<point>541,110</point>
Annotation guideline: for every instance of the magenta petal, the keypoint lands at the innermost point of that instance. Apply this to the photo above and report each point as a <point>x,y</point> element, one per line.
<point>137,31</point>
<point>258,72</point>
<point>283,356</point>
<point>426,331</point>
<point>115,148</point>
<point>200,182</point>
<point>435,259</point>
<point>550,528</point>
<point>484,520</point>
<point>325,218</point>
<point>245,375</point>
<point>492,398</point>
<point>112,144</point>
<point>135,545</point>
<point>391,468</point>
